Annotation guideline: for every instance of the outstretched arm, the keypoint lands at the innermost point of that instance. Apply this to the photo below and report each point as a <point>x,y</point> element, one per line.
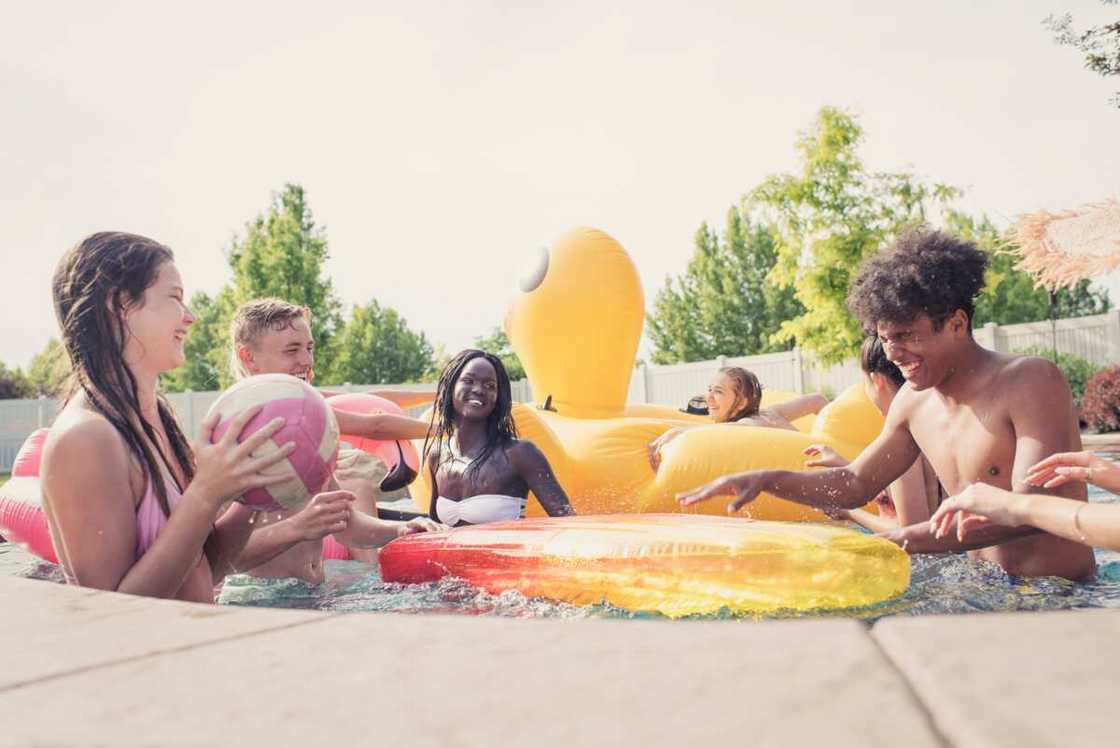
<point>838,488</point>
<point>533,467</point>
<point>805,405</point>
<point>383,426</point>
<point>326,513</point>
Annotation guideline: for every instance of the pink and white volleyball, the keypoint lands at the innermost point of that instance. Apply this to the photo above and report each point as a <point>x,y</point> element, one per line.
<point>308,421</point>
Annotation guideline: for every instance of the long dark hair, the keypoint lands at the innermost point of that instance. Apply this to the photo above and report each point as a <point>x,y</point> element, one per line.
<point>94,284</point>
<point>747,386</point>
<point>500,429</point>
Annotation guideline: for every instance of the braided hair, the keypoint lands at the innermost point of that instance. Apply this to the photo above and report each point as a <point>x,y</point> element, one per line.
<point>500,428</point>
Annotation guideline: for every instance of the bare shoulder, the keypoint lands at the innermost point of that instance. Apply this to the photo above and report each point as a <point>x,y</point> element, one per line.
<point>84,450</point>
<point>523,453</point>
<point>1030,377</point>
<point>907,402</point>
<point>81,434</point>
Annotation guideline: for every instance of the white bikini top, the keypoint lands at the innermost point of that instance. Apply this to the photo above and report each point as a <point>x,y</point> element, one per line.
<point>478,510</point>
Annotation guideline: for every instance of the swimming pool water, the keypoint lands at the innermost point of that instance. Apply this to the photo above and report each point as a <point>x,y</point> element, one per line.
<point>939,585</point>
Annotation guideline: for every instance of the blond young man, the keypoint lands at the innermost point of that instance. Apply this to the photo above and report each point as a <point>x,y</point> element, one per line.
<point>270,336</point>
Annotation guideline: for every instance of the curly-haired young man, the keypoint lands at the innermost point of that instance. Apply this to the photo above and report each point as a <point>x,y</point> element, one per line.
<point>981,418</point>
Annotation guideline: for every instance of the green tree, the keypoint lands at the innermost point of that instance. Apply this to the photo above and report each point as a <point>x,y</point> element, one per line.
<point>1010,295</point>
<point>377,347</point>
<point>49,370</point>
<point>722,304</point>
<point>498,344</point>
<point>828,218</point>
<point>281,254</point>
<point>206,348</point>
<point>1099,44</point>
<point>13,384</point>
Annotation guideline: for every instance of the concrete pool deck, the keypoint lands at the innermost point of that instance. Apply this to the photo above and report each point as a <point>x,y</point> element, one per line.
<point>88,668</point>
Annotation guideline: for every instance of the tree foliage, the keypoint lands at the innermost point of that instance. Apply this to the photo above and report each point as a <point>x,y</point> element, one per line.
<point>498,344</point>
<point>281,254</point>
<point>13,383</point>
<point>49,370</point>
<point>1010,296</point>
<point>827,218</point>
<point>722,305</point>
<point>1099,44</point>
<point>377,347</point>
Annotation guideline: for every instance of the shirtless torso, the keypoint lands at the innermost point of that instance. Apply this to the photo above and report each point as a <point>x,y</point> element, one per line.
<point>985,434</point>
<point>986,418</point>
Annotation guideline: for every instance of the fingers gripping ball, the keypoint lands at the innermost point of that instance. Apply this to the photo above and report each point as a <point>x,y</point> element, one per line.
<point>308,421</point>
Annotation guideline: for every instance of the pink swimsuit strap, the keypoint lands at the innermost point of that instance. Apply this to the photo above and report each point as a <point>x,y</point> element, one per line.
<point>150,519</point>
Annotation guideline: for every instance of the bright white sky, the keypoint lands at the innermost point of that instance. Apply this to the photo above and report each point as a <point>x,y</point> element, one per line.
<point>442,144</point>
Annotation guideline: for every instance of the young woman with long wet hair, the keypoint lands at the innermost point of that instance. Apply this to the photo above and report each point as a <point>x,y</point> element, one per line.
<point>131,507</point>
<point>480,471</point>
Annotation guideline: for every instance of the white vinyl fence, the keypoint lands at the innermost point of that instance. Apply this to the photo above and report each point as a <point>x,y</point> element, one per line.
<point>1095,338</point>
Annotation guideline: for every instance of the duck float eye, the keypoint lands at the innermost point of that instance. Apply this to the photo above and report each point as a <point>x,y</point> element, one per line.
<point>536,273</point>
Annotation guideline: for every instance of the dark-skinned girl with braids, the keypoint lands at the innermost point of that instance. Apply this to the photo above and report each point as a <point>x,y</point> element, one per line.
<point>480,471</point>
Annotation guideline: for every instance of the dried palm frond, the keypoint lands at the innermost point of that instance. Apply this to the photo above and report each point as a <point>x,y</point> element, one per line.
<point>1060,249</point>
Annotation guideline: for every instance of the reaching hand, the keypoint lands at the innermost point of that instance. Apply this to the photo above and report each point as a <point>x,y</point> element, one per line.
<point>1060,469</point>
<point>825,456</point>
<point>655,446</point>
<point>226,469</point>
<point>745,487</point>
<point>976,506</point>
<point>325,514</point>
<point>418,525</point>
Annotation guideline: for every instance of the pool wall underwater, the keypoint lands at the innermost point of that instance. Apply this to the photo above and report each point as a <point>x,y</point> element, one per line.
<point>85,667</point>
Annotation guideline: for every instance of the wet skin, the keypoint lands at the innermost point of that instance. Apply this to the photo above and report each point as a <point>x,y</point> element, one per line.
<point>511,471</point>
<point>977,416</point>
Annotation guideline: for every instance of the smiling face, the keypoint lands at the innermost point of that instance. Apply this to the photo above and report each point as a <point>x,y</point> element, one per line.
<point>157,325</point>
<point>925,355</point>
<point>287,350</point>
<point>476,391</point>
<point>724,399</point>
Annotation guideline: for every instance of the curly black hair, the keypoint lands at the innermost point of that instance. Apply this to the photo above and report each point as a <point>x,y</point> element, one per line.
<point>500,428</point>
<point>924,271</point>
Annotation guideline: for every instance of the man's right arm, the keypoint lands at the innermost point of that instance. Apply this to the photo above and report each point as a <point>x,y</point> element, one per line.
<point>888,457</point>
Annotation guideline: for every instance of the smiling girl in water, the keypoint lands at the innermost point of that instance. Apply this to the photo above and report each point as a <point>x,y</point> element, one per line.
<point>735,397</point>
<point>481,472</point>
<point>130,506</point>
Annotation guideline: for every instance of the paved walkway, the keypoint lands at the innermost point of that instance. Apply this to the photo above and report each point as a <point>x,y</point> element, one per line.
<point>87,668</point>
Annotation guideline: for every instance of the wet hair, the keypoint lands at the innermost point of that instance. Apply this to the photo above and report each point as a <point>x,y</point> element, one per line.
<point>924,271</point>
<point>94,285</point>
<point>500,429</point>
<point>254,318</point>
<point>873,360</point>
<point>747,386</point>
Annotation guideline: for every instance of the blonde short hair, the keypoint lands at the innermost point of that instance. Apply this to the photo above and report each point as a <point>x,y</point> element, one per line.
<point>256,317</point>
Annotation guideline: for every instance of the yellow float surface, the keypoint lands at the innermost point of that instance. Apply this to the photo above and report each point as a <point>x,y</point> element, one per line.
<point>670,564</point>
<point>575,327</point>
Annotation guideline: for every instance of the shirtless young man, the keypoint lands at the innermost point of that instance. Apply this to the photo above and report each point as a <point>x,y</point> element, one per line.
<point>271,336</point>
<point>978,416</point>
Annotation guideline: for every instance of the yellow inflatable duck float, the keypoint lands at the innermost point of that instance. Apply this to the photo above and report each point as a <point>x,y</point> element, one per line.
<point>576,326</point>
